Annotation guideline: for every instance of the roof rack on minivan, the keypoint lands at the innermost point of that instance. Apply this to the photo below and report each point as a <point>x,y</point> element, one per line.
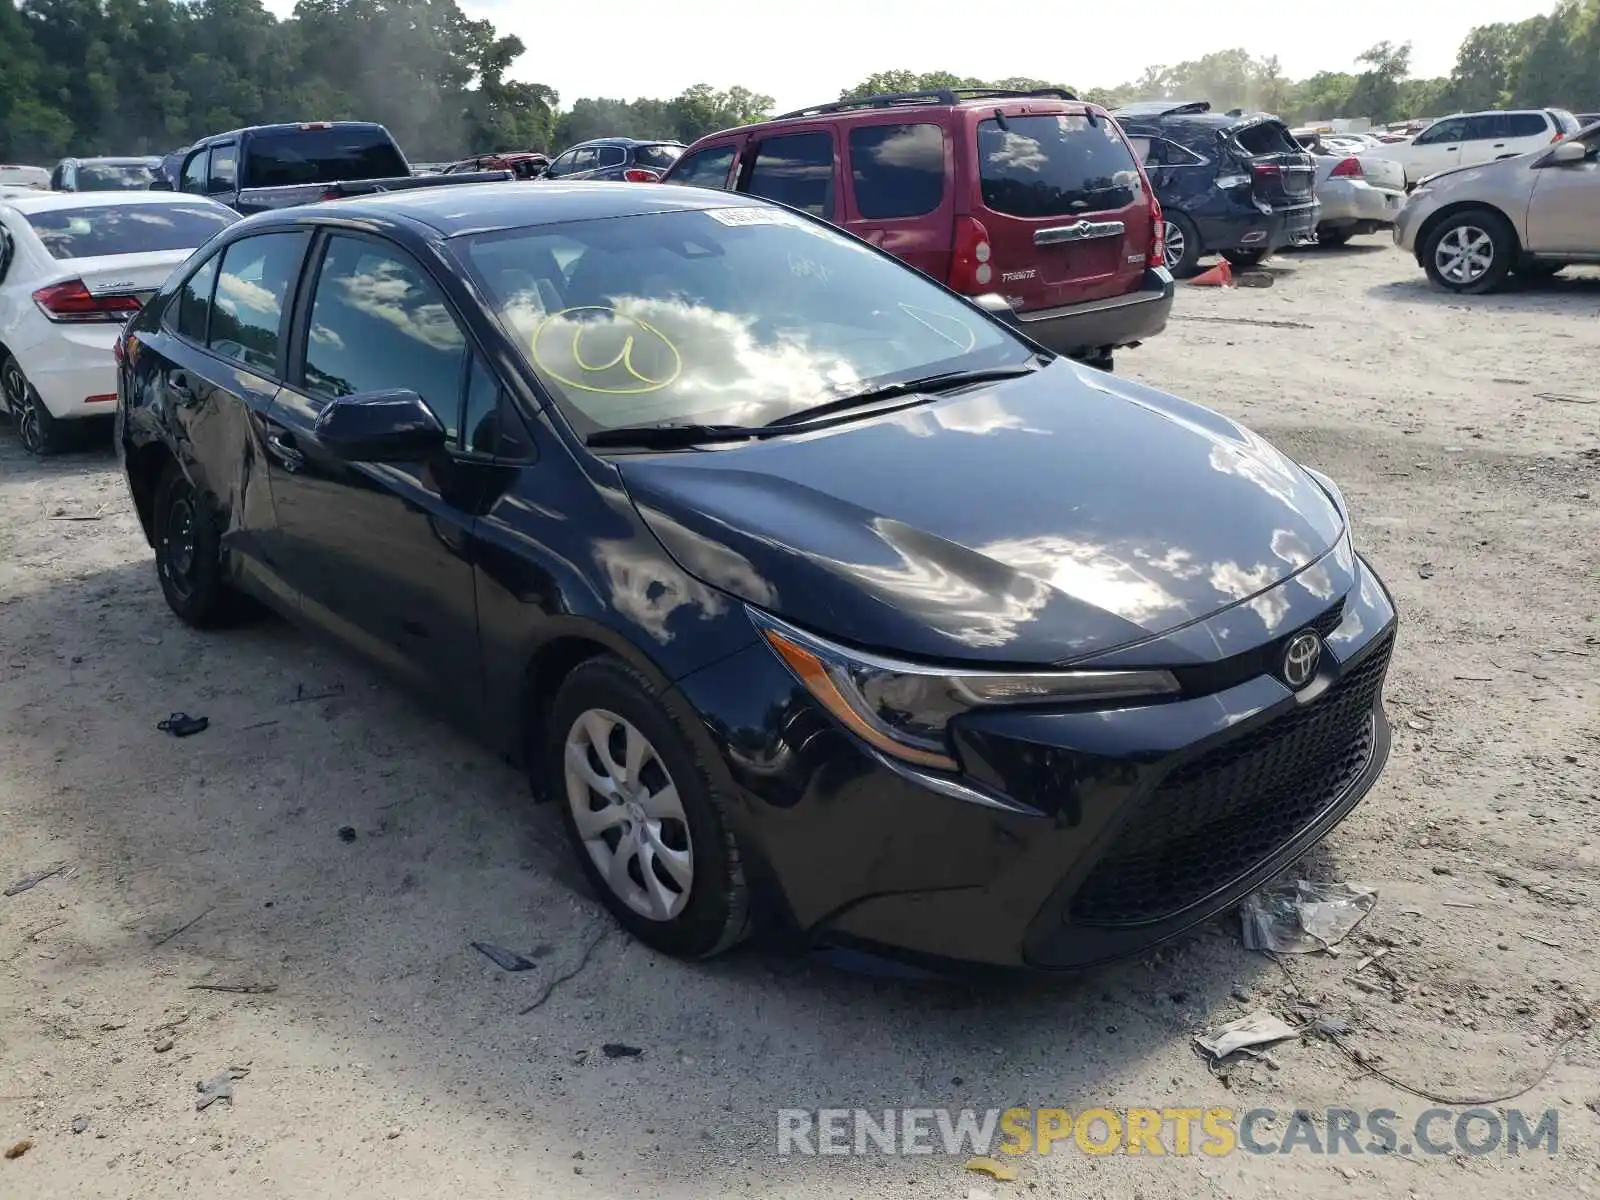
<point>1163,108</point>
<point>932,96</point>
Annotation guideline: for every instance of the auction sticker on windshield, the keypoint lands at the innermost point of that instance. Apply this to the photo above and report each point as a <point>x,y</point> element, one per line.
<point>752,216</point>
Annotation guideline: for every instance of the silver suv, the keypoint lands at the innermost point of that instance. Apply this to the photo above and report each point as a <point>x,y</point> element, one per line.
<point>1534,214</point>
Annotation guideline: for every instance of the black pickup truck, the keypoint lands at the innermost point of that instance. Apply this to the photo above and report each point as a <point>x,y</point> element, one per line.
<point>278,166</point>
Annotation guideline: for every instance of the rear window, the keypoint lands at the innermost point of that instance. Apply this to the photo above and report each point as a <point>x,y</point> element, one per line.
<point>128,228</point>
<point>897,170</point>
<point>115,177</point>
<point>1054,166</point>
<point>1266,137</point>
<point>1565,121</point>
<point>321,156</point>
<point>659,157</point>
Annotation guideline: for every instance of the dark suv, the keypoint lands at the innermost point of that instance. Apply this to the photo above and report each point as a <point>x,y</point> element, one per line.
<point>1033,198</point>
<point>622,158</point>
<point>1229,183</point>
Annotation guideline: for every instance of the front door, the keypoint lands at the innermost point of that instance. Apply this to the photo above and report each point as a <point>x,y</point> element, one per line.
<point>1564,213</point>
<point>380,551</point>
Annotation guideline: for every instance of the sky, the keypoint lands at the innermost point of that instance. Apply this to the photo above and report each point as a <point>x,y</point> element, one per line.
<point>807,52</point>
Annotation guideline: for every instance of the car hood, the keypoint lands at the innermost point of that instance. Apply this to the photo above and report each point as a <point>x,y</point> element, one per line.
<point>1038,520</point>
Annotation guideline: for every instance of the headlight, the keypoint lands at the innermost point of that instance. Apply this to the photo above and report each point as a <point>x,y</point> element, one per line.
<point>904,708</point>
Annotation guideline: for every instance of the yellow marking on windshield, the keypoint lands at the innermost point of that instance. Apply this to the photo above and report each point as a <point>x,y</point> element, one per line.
<point>541,347</point>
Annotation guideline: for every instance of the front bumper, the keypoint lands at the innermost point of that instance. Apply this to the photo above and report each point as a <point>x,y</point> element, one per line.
<point>1095,325</point>
<point>1072,837</point>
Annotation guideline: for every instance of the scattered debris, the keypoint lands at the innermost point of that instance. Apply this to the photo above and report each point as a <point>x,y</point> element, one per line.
<point>1260,1028</point>
<point>62,515</point>
<point>79,1124</point>
<point>1243,321</point>
<point>1425,571</point>
<point>620,1050</point>
<point>1370,959</point>
<point>18,1149</point>
<point>257,725</point>
<point>347,833</point>
<point>301,696</point>
<point>183,725</point>
<point>29,882</point>
<point>218,1087</point>
<point>1543,941</point>
<point>1475,678</point>
<point>162,1045</point>
<point>187,925</point>
<point>241,989</point>
<point>150,639</point>
<point>506,960</point>
<point>1561,398</point>
<point>1331,1027</point>
<point>393,1132</point>
<point>1302,917</point>
<point>992,1167</point>
<point>582,962</point>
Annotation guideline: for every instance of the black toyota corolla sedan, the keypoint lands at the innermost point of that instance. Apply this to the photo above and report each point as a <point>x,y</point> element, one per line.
<point>816,598</point>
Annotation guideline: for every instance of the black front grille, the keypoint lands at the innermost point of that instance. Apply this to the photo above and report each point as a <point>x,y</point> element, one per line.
<point>1218,817</point>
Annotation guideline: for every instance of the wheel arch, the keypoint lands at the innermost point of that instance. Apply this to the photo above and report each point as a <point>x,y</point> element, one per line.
<point>1434,220</point>
<point>144,465</point>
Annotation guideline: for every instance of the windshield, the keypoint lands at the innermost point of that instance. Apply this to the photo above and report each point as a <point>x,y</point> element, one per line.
<point>128,228</point>
<point>721,316</point>
<point>115,177</point>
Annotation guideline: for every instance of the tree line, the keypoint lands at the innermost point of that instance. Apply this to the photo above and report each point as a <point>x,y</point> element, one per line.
<point>147,76</point>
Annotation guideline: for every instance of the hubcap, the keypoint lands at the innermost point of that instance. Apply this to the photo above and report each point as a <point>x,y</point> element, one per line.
<point>178,545</point>
<point>1464,254</point>
<point>1176,244</point>
<point>628,814</point>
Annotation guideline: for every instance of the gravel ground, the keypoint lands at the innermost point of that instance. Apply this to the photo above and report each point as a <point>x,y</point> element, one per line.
<point>392,1060</point>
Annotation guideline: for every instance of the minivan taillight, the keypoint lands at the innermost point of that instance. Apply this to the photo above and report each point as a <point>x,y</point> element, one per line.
<point>70,302</point>
<point>1158,234</point>
<point>1350,168</point>
<point>970,272</point>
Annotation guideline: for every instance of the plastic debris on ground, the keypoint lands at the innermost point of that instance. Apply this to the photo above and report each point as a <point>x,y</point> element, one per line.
<point>1302,917</point>
<point>218,1087</point>
<point>1260,1028</point>
<point>506,960</point>
<point>991,1167</point>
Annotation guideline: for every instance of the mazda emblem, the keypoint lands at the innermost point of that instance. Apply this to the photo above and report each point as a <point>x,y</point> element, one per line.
<point>1300,659</point>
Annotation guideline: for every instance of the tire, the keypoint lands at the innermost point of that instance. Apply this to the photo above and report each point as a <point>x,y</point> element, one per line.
<point>1182,265</point>
<point>1244,260</point>
<point>1104,361</point>
<point>1337,237</point>
<point>40,433</point>
<point>189,554</point>
<point>1447,254</point>
<point>670,812</point>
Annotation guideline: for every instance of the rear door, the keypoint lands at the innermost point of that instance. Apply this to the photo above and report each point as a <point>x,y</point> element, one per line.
<point>901,196</point>
<point>1282,175</point>
<point>1063,201</point>
<point>798,167</point>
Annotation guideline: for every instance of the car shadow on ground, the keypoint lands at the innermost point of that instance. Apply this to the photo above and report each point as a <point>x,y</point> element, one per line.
<point>1517,295</point>
<point>1351,249</point>
<point>328,836</point>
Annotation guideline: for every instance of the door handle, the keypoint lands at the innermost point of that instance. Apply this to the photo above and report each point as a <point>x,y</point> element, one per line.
<point>282,447</point>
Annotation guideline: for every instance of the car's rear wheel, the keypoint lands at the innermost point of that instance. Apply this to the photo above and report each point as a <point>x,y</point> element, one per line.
<point>189,554</point>
<point>1182,250</point>
<point>38,431</point>
<point>1471,252</point>
<point>1246,259</point>
<point>649,830</point>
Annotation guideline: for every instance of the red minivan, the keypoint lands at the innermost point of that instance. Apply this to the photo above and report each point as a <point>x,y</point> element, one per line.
<point>1033,197</point>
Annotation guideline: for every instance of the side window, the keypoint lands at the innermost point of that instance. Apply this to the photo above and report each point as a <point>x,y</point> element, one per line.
<point>1146,149</point>
<point>1526,125</point>
<point>479,424</point>
<point>1178,156</point>
<point>706,168</point>
<point>194,302</point>
<point>610,156</point>
<point>1481,129</point>
<point>223,174</point>
<point>562,164</point>
<point>1444,131</point>
<point>897,170</point>
<point>584,160</point>
<point>378,321</point>
<point>195,174</point>
<point>796,170</point>
<point>252,289</point>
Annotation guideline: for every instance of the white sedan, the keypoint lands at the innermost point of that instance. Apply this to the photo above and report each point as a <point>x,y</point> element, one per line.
<point>73,267</point>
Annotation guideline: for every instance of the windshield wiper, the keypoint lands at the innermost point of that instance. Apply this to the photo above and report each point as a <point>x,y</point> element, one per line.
<point>667,437</point>
<point>943,381</point>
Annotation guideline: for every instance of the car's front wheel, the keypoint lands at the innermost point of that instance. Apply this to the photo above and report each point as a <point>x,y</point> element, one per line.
<point>39,432</point>
<point>1471,252</point>
<point>649,829</point>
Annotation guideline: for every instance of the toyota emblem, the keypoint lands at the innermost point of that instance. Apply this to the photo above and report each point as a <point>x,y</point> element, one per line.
<point>1300,659</point>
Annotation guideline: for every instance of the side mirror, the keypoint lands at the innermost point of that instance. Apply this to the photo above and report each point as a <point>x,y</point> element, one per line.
<point>1567,152</point>
<point>386,426</point>
<point>158,184</point>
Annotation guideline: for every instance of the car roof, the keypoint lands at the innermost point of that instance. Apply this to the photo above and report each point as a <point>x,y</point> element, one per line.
<point>285,127</point>
<point>484,207</point>
<point>125,160</point>
<point>626,141</point>
<point>47,201</point>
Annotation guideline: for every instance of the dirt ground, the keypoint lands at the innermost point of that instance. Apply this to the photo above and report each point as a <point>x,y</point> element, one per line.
<point>394,1061</point>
